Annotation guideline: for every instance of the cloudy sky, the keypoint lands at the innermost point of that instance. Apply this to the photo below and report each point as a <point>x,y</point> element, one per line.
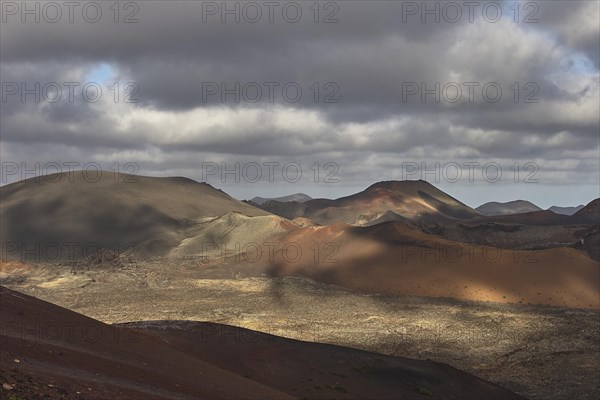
<point>489,101</point>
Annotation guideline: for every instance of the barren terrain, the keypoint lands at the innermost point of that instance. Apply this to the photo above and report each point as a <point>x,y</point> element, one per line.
<point>540,352</point>
<point>402,270</point>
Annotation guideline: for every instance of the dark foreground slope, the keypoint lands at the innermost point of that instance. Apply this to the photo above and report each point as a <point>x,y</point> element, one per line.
<point>48,350</point>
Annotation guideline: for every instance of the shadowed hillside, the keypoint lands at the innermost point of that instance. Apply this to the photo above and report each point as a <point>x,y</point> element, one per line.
<point>191,360</point>
<point>116,211</point>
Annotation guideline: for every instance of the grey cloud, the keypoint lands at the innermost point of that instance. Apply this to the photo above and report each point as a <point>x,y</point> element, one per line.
<point>369,55</point>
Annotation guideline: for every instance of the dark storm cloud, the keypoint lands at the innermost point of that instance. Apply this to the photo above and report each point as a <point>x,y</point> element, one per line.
<point>366,62</point>
<point>178,29</point>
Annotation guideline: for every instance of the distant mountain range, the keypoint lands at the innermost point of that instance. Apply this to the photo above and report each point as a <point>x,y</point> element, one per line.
<point>302,205</point>
<point>512,207</point>
<point>382,201</point>
<point>494,208</point>
<point>299,197</point>
<point>179,216</point>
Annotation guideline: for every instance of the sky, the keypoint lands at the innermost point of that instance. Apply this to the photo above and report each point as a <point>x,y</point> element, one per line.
<point>495,101</point>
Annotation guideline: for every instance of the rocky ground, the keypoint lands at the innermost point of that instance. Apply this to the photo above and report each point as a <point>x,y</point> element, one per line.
<point>540,352</point>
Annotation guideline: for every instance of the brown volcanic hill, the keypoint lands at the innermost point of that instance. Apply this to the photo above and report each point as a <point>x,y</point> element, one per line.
<point>531,230</point>
<point>394,258</point>
<point>110,210</point>
<point>407,199</point>
<point>511,207</point>
<point>51,352</point>
<point>592,209</point>
<point>589,215</point>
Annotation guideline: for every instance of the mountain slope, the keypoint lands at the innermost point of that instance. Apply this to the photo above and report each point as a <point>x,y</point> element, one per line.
<point>351,373</point>
<point>101,361</point>
<point>412,200</point>
<point>392,257</point>
<point>78,215</point>
<point>51,352</point>
<point>591,209</point>
<point>588,215</point>
<point>232,233</point>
